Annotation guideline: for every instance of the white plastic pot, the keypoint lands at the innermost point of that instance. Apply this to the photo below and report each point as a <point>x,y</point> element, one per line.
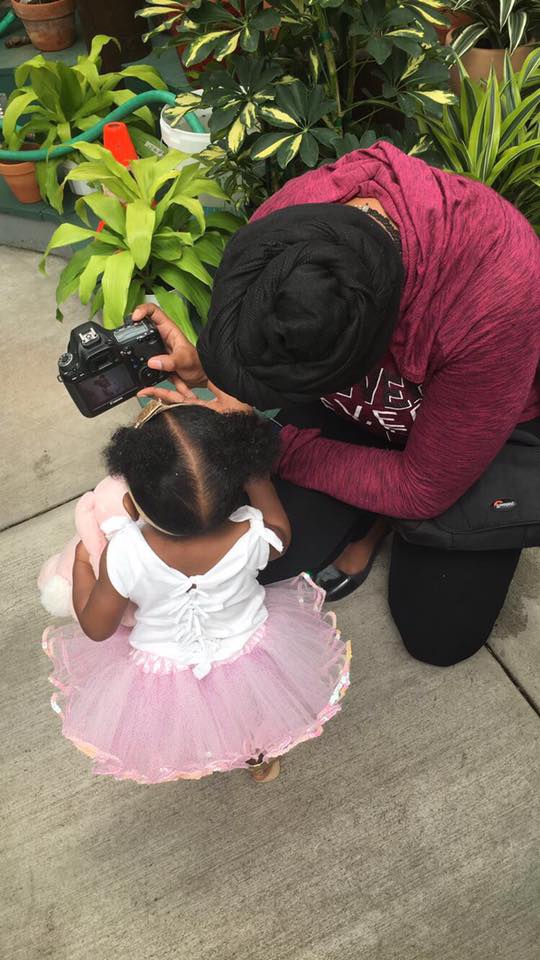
<point>79,187</point>
<point>183,137</point>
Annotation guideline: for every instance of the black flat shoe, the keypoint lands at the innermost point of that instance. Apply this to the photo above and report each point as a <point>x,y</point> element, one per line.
<point>337,584</point>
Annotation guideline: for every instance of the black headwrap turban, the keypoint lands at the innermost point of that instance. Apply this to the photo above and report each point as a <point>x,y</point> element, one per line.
<point>304,303</point>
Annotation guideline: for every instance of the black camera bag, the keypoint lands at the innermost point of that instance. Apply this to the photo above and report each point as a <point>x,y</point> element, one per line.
<point>500,511</point>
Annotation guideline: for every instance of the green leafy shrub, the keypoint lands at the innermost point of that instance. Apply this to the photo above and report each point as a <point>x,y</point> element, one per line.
<point>156,238</point>
<point>293,83</point>
<point>54,102</point>
<point>499,24</point>
<point>493,135</point>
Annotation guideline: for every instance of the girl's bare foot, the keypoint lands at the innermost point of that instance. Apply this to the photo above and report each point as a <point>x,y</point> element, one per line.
<point>266,772</point>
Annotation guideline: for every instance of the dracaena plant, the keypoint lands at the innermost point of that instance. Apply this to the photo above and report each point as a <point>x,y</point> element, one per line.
<point>154,238</point>
<point>293,83</point>
<point>498,24</point>
<point>493,135</point>
<point>53,102</point>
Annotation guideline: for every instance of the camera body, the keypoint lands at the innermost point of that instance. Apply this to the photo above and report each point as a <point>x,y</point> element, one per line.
<point>101,368</point>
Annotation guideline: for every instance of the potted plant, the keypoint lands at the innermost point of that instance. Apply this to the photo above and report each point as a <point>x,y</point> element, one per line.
<point>154,239</point>
<point>50,24</point>
<point>293,84</point>
<point>494,28</point>
<point>492,134</point>
<point>176,133</point>
<point>21,179</point>
<point>53,102</point>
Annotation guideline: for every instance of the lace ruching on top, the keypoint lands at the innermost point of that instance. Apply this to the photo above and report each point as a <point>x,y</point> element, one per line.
<point>194,621</point>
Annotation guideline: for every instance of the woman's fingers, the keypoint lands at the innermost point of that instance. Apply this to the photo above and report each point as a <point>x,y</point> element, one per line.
<point>181,393</point>
<point>182,356</point>
<point>168,331</point>
<point>165,361</point>
<point>150,311</point>
<point>227,403</point>
<point>160,393</point>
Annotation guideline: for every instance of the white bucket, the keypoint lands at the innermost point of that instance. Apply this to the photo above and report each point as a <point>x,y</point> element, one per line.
<point>183,137</point>
<point>79,187</point>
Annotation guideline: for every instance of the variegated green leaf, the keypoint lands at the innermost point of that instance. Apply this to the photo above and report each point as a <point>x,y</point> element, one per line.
<point>249,115</point>
<point>236,135</point>
<point>249,39</point>
<point>510,94</point>
<point>409,32</point>
<point>517,120</point>
<point>516,26</point>
<point>277,117</point>
<point>443,97</point>
<point>468,38</point>
<point>201,47</point>
<point>224,49</point>
<point>509,156</point>
<point>412,67</point>
<point>530,69</point>
<point>288,150</point>
<point>268,145</point>
<point>505,9</point>
<point>491,127</point>
<point>468,105</point>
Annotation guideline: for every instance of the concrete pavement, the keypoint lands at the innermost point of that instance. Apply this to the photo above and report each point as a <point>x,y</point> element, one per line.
<point>409,831</point>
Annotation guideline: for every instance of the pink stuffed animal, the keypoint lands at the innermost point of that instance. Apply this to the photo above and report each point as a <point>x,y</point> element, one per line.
<point>98,514</point>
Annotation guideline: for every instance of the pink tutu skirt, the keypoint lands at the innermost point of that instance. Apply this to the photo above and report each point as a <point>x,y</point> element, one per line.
<point>144,718</point>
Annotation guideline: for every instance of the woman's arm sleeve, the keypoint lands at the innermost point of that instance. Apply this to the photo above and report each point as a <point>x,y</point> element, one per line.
<point>470,408</point>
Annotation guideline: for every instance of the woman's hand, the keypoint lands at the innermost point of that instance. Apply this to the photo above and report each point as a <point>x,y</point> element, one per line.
<point>181,363</point>
<point>223,403</point>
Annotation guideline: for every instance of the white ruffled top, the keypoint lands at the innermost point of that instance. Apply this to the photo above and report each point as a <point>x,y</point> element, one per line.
<point>193,621</point>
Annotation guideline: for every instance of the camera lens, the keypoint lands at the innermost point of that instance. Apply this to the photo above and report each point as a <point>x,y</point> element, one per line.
<point>65,360</point>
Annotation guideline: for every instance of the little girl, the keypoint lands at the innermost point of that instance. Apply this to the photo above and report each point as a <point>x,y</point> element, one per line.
<point>217,673</point>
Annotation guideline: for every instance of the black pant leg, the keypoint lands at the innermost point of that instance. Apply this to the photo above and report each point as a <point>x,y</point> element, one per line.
<point>445,602</point>
<point>321,526</point>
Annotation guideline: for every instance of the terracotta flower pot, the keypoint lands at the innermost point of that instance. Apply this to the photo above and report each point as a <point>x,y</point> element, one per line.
<point>21,179</point>
<point>455,20</point>
<point>50,26</point>
<point>479,60</point>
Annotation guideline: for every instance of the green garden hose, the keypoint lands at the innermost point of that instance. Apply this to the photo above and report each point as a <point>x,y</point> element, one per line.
<point>6,22</point>
<point>164,97</point>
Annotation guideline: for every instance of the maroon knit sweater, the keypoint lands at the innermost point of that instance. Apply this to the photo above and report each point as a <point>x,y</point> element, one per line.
<point>468,334</point>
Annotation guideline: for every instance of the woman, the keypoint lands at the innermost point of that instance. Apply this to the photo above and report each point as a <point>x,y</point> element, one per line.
<point>408,300</point>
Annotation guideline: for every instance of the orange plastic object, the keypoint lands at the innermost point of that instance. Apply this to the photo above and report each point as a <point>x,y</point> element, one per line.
<point>116,138</point>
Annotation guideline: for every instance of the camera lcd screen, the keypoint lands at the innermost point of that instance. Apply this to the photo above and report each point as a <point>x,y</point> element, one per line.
<point>99,390</point>
<point>132,331</point>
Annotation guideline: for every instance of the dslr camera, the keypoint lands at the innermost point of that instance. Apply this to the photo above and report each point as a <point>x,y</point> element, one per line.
<point>104,367</point>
